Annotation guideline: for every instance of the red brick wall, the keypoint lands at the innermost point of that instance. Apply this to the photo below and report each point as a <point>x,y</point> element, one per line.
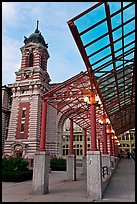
<point>23,135</point>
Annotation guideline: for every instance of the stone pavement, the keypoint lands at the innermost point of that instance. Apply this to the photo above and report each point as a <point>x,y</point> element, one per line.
<point>121,187</point>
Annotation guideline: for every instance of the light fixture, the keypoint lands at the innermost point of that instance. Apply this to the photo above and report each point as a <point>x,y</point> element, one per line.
<point>86,99</point>
<point>118,143</point>
<point>98,100</point>
<point>90,98</point>
<point>110,130</point>
<point>104,121</point>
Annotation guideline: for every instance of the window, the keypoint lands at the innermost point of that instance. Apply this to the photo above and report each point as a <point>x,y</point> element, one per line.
<point>31,60</point>
<point>27,76</point>
<point>80,137</point>
<point>66,149</point>
<point>78,150</point>
<point>131,136</point>
<point>22,127</point>
<point>88,146</point>
<point>123,145</point>
<point>127,137</point>
<point>23,113</point>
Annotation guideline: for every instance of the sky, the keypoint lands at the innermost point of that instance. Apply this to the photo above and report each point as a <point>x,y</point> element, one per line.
<point>19,20</point>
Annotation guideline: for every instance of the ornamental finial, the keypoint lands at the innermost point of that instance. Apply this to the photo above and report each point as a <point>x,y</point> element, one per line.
<point>37,24</point>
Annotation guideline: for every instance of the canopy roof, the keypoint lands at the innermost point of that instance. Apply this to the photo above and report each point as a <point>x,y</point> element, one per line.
<point>105,37</point>
<point>68,98</point>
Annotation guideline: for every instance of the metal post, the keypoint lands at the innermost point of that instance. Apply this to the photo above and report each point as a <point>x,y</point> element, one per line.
<point>99,144</point>
<point>110,143</point>
<point>43,125</point>
<point>85,142</point>
<point>71,136</point>
<point>93,127</point>
<point>105,139</point>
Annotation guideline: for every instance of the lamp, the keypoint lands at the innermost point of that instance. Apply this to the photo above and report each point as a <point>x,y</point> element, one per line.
<point>110,130</point>
<point>91,99</point>
<point>104,121</point>
<point>115,139</point>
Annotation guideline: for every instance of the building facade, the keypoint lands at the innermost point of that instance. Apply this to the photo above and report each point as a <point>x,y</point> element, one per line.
<point>32,80</point>
<point>127,142</point>
<point>22,108</point>
<point>6,110</point>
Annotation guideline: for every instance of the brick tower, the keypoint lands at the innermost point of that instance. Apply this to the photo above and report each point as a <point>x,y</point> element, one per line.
<point>32,80</point>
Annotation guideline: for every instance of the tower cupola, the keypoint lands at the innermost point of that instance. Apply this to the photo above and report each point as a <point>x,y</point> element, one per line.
<point>36,37</point>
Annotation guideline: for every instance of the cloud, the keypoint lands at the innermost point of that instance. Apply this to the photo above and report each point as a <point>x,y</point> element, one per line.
<point>9,14</point>
<point>19,20</point>
<point>11,58</point>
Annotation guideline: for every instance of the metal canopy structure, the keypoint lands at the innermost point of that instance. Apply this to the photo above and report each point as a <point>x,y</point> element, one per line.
<point>68,98</point>
<point>105,37</point>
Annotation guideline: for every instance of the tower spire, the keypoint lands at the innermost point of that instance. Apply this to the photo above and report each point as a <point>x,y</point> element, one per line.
<point>37,24</point>
<point>37,30</point>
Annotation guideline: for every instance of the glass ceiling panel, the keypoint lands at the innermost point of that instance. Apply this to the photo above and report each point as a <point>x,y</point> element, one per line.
<point>129,26</point>
<point>108,48</point>
<point>85,22</point>
<point>129,12</point>
<point>129,38</point>
<point>114,6</point>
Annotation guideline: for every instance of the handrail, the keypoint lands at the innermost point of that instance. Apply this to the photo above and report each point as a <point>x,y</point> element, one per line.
<point>104,171</point>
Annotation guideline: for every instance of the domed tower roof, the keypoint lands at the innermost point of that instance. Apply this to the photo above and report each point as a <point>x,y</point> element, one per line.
<point>36,37</point>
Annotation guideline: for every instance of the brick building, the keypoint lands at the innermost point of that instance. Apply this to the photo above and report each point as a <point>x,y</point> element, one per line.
<point>32,80</point>
<point>22,105</point>
<point>6,109</point>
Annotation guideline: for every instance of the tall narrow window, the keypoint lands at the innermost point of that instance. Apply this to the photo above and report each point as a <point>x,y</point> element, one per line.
<point>31,60</point>
<point>23,113</point>
<point>22,127</point>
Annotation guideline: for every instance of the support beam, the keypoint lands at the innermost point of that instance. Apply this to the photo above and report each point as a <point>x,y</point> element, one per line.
<point>43,126</point>
<point>105,150</point>
<point>85,142</point>
<point>71,136</point>
<point>110,143</point>
<point>93,127</point>
<point>98,144</point>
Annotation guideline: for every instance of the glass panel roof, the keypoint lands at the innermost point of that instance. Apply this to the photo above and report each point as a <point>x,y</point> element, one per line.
<point>105,36</point>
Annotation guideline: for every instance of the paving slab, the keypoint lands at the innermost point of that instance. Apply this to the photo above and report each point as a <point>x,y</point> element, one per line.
<point>121,187</point>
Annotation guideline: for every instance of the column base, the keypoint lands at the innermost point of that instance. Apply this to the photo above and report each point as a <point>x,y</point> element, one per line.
<point>94,175</point>
<point>71,168</point>
<point>40,182</point>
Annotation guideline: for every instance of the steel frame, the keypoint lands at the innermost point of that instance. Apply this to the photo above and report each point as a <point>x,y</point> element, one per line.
<point>115,88</point>
<point>117,95</point>
<point>68,98</point>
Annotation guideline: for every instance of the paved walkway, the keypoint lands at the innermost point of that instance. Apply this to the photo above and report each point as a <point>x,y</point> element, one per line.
<point>120,189</point>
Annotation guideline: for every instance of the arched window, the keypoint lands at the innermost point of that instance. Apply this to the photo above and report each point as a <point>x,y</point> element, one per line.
<point>31,60</point>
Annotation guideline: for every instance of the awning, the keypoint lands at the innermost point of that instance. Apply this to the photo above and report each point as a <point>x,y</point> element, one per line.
<point>105,37</point>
